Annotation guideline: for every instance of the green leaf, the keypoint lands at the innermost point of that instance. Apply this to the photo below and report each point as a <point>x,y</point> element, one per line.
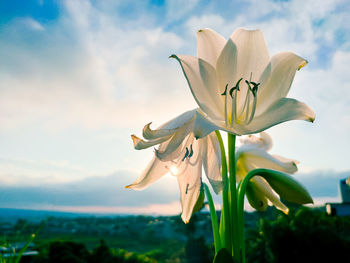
<point>223,256</point>
<point>32,237</point>
<point>214,219</point>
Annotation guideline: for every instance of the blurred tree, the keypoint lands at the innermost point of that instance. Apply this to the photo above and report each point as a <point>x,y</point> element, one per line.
<point>305,235</point>
<point>67,252</point>
<point>101,254</point>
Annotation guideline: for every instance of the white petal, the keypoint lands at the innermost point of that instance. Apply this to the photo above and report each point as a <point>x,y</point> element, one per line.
<point>266,189</point>
<point>179,121</point>
<point>212,161</point>
<point>175,142</point>
<point>209,45</point>
<point>267,142</point>
<point>263,142</point>
<point>175,155</point>
<point>242,170</point>
<point>258,158</point>
<point>277,78</point>
<point>201,78</point>
<point>282,110</point>
<point>226,67</point>
<point>252,53</point>
<point>203,126</point>
<point>255,197</point>
<point>140,144</point>
<point>189,179</point>
<point>150,134</point>
<point>252,58</point>
<point>152,173</point>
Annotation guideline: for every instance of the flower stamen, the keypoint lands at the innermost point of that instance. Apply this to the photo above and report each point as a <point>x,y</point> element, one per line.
<point>225,94</point>
<point>188,153</point>
<point>234,102</point>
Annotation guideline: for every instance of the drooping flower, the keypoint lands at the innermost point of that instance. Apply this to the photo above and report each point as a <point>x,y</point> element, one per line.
<point>179,153</point>
<point>238,86</point>
<point>253,154</point>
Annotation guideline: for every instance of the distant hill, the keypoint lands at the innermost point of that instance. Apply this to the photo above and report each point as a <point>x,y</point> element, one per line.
<point>11,214</point>
<point>109,191</point>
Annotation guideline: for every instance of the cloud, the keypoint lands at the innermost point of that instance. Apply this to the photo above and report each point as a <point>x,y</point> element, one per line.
<point>75,87</point>
<point>87,69</point>
<point>104,191</point>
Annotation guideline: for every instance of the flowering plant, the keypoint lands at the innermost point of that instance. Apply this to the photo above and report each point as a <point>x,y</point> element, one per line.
<point>240,90</point>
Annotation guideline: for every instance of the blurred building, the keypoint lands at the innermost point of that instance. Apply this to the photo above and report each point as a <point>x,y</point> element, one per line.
<point>343,208</point>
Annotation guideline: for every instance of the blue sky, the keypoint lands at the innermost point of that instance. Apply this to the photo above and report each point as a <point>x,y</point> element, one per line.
<point>78,77</point>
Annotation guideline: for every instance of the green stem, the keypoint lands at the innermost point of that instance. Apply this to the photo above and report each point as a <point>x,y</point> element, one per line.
<point>242,190</point>
<point>233,192</point>
<point>225,222</point>
<point>214,219</point>
<point>240,208</point>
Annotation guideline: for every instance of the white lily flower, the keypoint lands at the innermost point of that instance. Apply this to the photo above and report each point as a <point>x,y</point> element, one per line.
<point>182,155</point>
<point>238,86</point>
<point>253,154</point>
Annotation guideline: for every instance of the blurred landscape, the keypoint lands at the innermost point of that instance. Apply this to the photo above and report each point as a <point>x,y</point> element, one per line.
<point>305,235</point>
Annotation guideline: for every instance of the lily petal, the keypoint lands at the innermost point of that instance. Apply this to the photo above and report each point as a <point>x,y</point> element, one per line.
<point>179,121</point>
<point>264,142</point>
<point>189,181</point>
<point>201,78</point>
<point>282,110</point>
<point>202,126</point>
<point>209,45</point>
<point>150,134</point>
<point>175,141</point>
<point>267,142</point>
<point>226,67</point>
<point>252,53</point>
<point>252,58</point>
<point>265,188</point>
<point>155,170</point>
<point>140,144</point>
<point>255,197</point>
<point>258,158</point>
<point>212,161</point>
<point>277,78</point>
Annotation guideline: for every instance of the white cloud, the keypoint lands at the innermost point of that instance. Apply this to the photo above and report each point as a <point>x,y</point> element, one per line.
<point>26,172</point>
<point>100,75</point>
<point>33,24</point>
<point>96,68</point>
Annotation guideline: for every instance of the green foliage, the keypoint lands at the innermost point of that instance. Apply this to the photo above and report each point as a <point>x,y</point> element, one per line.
<point>223,256</point>
<point>67,252</point>
<point>305,235</point>
<point>16,256</point>
<point>73,252</point>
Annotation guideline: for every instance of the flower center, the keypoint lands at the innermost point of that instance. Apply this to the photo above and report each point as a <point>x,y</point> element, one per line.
<point>245,114</point>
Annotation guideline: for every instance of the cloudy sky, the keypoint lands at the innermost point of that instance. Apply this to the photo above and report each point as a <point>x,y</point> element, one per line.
<point>77,78</point>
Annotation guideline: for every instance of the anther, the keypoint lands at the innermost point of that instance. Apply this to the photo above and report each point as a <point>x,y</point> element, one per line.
<point>224,93</point>
<point>187,188</point>
<point>255,87</point>
<point>191,152</point>
<point>236,87</point>
<point>186,154</point>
